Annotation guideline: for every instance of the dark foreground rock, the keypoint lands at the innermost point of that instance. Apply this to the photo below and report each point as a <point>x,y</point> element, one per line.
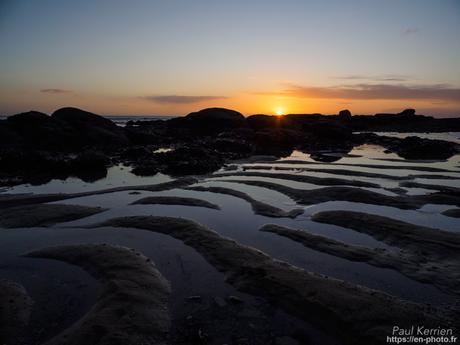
<point>412,147</point>
<point>35,147</point>
<point>65,129</point>
<point>43,215</point>
<point>15,309</point>
<point>357,314</point>
<point>418,258</point>
<point>322,181</point>
<point>132,308</point>
<point>211,121</point>
<point>358,195</point>
<point>175,200</point>
<point>258,207</point>
<point>11,200</point>
<point>454,212</point>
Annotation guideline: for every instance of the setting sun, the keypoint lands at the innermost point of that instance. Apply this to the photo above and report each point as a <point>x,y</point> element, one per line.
<point>279,111</point>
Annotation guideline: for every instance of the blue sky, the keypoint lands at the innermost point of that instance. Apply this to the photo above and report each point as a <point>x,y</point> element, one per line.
<point>173,57</point>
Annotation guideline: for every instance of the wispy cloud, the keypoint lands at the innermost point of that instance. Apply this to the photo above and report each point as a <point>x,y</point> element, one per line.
<point>438,92</point>
<point>55,91</point>
<point>377,78</point>
<point>176,99</point>
<point>410,31</point>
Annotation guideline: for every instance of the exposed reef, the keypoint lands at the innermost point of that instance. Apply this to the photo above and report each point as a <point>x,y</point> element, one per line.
<point>258,207</point>
<point>358,195</point>
<point>454,212</point>
<point>175,200</point>
<point>322,181</point>
<point>438,266</point>
<point>357,314</point>
<point>132,307</point>
<point>10,200</point>
<point>345,172</point>
<point>35,147</point>
<point>43,215</point>
<point>15,309</point>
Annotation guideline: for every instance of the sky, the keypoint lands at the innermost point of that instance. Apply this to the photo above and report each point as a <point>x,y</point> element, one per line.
<point>172,57</point>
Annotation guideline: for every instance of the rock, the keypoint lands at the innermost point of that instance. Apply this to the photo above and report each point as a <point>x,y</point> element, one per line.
<point>235,299</point>
<point>276,142</point>
<point>285,340</point>
<point>43,215</point>
<point>321,157</point>
<point>8,137</point>
<point>211,120</point>
<point>327,136</point>
<point>15,311</point>
<point>148,167</point>
<point>195,298</point>
<point>345,114</point>
<point>260,122</point>
<point>89,166</point>
<point>239,148</point>
<point>220,301</point>
<point>90,160</point>
<point>418,148</point>
<point>133,305</point>
<point>407,112</point>
<point>189,160</point>
<point>93,129</point>
<point>68,129</point>
<point>38,130</point>
<point>135,152</point>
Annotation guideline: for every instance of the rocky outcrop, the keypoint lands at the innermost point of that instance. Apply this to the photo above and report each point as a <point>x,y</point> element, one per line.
<point>211,121</point>
<point>356,314</point>
<point>132,307</point>
<point>412,147</point>
<point>15,310</point>
<point>43,215</point>
<point>66,129</point>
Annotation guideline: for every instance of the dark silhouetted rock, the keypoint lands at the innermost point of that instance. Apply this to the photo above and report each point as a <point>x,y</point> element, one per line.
<point>9,137</point>
<point>135,152</point>
<point>407,112</point>
<point>190,160</point>
<point>93,129</point>
<point>328,136</point>
<point>40,131</point>
<point>276,142</point>
<point>345,114</point>
<point>237,147</point>
<point>146,167</point>
<point>260,122</point>
<point>211,120</point>
<point>418,148</point>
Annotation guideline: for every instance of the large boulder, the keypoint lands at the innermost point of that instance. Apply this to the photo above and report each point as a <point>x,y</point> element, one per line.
<point>407,112</point>
<point>419,148</point>
<point>260,122</point>
<point>38,130</point>
<point>211,121</point>
<point>92,129</point>
<point>328,136</point>
<point>68,129</point>
<point>276,142</point>
<point>189,161</point>
<point>345,114</point>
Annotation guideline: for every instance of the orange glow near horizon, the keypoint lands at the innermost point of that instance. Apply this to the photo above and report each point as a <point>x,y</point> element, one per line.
<point>280,111</point>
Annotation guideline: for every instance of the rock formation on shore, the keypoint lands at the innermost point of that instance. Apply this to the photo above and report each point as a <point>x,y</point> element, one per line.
<point>35,147</point>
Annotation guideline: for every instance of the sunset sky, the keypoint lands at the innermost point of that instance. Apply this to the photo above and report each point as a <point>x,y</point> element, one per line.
<point>254,56</point>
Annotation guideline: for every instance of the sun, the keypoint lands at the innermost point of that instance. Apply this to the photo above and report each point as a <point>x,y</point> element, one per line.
<point>279,111</point>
